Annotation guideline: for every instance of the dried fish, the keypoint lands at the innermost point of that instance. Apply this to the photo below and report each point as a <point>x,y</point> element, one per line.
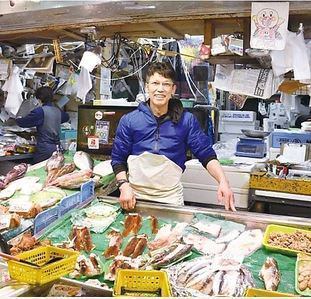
<point>135,246</point>
<point>82,239</point>
<point>114,244</point>
<point>270,274</point>
<point>154,224</point>
<point>88,267</point>
<point>121,262</point>
<point>132,224</point>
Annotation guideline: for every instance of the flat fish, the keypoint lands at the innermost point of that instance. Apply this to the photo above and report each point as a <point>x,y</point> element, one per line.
<point>180,251</point>
<point>103,168</point>
<point>228,237</point>
<point>203,244</point>
<point>270,274</point>
<point>209,228</point>
<point>166,236</point>
<point>83,160</point>
<point>245,244</point>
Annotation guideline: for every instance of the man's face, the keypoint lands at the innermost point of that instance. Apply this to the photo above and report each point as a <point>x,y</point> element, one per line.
<point>160,90</point>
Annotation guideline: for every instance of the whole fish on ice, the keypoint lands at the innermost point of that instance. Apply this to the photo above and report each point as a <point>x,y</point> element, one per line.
<point>270,274</point>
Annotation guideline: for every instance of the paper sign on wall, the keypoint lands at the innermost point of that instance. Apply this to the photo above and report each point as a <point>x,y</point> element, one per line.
<point>269,22</point>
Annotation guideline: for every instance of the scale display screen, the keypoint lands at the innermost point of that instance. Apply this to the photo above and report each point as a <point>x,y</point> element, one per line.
<point>247,148</point>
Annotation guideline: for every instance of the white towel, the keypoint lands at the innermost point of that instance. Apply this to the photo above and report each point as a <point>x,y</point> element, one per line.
<point>84,84</point>
<point>294,57</point>
<point>13,86</point>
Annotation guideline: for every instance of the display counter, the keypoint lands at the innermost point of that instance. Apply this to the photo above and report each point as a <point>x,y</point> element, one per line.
<point>170,214</point>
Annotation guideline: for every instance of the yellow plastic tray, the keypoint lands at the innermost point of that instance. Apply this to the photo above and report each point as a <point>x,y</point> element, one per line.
<point>140,282</point>
<point>252,292</point>
<point>40,256</point>
<point>272,228</point>
<point>306,292</point>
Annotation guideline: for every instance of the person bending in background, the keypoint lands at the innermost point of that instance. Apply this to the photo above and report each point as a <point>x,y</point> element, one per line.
<point>47,119</point>
<point>151,145</point>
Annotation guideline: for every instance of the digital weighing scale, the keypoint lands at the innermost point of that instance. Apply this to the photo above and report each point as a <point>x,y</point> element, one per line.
<point>251,147</point>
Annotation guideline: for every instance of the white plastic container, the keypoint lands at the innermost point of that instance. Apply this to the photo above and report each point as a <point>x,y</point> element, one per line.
<point>201,187</point>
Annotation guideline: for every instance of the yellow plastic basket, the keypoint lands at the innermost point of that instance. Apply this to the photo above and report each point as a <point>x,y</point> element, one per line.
<point>252,292</point>
<point>40,256</point>
<point>134,283</point>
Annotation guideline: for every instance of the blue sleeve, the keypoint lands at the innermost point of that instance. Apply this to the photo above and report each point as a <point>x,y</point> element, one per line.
<point>33,119</point>
<point>123,142</point>
<point>65,116</point>
<point>199,143</point>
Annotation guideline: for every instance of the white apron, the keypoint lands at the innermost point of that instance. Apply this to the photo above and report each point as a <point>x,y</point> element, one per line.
<point>155,178</point>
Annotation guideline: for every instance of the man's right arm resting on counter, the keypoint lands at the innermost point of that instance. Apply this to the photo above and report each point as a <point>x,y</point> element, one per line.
<point>127,197</point>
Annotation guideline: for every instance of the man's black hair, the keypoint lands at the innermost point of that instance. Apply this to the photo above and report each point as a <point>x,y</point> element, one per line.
<point>45,94</point>
<point>162,68</point>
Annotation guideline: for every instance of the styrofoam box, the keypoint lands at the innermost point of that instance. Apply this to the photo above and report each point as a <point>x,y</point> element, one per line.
<point>277,138</point>
<point>201,187</point>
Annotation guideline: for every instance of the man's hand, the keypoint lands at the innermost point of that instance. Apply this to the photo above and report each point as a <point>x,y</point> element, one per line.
<point>226,196</point>
<point>127,197</point>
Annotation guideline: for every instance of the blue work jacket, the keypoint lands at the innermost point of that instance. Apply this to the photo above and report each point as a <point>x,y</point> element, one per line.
<point>139,131</point>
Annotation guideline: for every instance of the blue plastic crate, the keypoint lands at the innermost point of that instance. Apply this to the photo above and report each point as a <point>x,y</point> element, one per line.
<point>279,138</point>
<point>69,202</point>
<point>87,191</point>
<point>45,218</point>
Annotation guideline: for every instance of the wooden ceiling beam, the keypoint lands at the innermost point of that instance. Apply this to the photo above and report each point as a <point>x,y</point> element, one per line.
<point>167,30</point>
<point>209,32</point>
<point>70,34</point>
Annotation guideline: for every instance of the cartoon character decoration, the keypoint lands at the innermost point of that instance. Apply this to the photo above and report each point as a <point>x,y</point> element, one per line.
<point>269,25</point>
<point>268,22</point>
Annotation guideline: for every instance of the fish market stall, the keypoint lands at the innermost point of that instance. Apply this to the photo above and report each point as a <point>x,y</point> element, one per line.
<point>30,196</point>
<point>203,251</point>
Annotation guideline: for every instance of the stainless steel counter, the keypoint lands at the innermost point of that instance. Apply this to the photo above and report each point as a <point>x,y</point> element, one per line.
<point>186,213</point>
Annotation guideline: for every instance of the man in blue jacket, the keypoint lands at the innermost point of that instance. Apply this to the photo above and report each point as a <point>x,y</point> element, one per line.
<point>47,119</point>
<point>150,146</point>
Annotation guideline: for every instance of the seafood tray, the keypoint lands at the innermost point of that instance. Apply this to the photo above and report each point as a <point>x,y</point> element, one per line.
<point>281,229</point>
<point>302,260</point>
<point>133,283</point>
<point>252,292</point>
<point>45,272</point>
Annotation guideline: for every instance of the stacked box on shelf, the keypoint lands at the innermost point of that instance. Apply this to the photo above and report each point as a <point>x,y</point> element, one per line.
<point>262,182</point>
